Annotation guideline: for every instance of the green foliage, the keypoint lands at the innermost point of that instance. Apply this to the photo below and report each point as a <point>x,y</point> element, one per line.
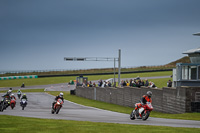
<point>34,125</point>
<point>25,91</point>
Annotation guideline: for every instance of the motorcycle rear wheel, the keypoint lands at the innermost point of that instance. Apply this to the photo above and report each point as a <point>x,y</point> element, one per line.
<point>145,116</point>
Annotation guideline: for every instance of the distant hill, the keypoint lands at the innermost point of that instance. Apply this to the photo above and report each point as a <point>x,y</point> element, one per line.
<point>100,70</point>
<point>185,59</point>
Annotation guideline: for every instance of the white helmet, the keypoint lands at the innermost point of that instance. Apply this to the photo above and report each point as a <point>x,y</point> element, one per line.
<point>61,94</point>
<point>9,91</point>
<point>12,94</point>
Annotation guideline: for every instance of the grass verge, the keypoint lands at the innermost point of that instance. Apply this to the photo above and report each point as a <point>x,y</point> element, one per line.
<point>55,80</point>
<point>25,91</point>
<point>34,125</point>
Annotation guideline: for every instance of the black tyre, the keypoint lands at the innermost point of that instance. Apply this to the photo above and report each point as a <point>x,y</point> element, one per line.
<point>1,107</point>
<point>12,105</point>
<point>52,111</point>
<point>132,115</point>
<point>145,116</point>
<point>57,109</point>
<point>22,107</point>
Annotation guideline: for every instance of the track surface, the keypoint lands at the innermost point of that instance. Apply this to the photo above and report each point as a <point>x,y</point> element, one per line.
<point>39,106</point>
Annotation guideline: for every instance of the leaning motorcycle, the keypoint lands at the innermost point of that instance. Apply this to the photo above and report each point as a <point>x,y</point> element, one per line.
<point>19,94</point>
<point>23,103</point>
<point>4,103</point>
<point>143,112</point>
<point>57,106</point>
<point>12,103</point>
<point>1,105</point>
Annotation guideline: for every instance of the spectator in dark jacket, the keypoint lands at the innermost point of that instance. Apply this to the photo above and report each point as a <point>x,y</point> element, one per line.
<point>169,83</point>
<point>146,83</point>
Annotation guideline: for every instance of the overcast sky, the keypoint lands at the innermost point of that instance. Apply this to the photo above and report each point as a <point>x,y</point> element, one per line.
<point>38,34</point>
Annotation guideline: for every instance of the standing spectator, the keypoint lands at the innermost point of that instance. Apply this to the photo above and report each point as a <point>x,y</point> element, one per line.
<point>83,85</point>
<point>121,84</point>
<point>124,83</point>
<point>142,83</point>
<point>131,83</point>
<point>137,84</point>
<point>134,83</point>
<point>109,84</point>
<point>100,83</point>
<point>146,83</point>
<point>94,85</point>
<point>90,84</point>
<point>169,83</point>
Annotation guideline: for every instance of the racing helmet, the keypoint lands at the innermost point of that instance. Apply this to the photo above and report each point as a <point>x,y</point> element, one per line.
<point>149,93</point>
<point>9,91</point>
<point>24,94</point>
<point>12,94</point>
<point>61,94</point>
<point>18,89</point>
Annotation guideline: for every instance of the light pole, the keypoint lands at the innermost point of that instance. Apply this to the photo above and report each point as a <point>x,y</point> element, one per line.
<point>100,59</point>
<point>119,67</point>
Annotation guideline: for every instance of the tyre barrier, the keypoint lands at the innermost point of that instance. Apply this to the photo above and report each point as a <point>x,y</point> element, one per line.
<point>19,77</point>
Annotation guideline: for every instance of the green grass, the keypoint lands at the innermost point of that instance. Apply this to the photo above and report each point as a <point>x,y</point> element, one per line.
<point>55,80</point>
<point>25,91</point>
<point>34,125</point>
<point>122,109</point>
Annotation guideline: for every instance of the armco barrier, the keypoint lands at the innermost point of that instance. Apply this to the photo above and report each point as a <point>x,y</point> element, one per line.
<point>19,77</point>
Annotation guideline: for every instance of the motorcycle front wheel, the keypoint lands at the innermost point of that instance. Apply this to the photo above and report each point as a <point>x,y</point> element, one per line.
<point>57,109</point>
<point>52,111</point>
<point>12,105</point>
<point>145,116</point>
<point>2,107</point>
<point>22,107</point>
<point>132,115</point>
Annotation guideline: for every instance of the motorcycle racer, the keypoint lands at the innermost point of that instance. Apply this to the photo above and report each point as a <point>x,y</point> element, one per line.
<point>19,91</point>
<point>24,97</point>
<point>7,95</point>
<point>12,96</point>
<point>145,98</point>
<point>57,97</point>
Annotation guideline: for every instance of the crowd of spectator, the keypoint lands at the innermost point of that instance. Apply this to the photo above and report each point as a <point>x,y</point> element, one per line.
<point>137,82</point>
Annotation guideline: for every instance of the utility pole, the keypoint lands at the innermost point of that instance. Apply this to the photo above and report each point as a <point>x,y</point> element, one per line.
<point>100,59</point>
<point>119,67</point>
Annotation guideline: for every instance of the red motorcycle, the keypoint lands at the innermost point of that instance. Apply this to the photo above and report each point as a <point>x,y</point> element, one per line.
<point>12,103</point>
<point>57,106</point>
<point>143,112</point>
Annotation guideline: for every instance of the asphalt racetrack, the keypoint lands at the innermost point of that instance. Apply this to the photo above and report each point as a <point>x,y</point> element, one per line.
<point>39,106</point>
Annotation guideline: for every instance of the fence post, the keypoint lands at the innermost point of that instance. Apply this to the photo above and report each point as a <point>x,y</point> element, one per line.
<point>95,96</point>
